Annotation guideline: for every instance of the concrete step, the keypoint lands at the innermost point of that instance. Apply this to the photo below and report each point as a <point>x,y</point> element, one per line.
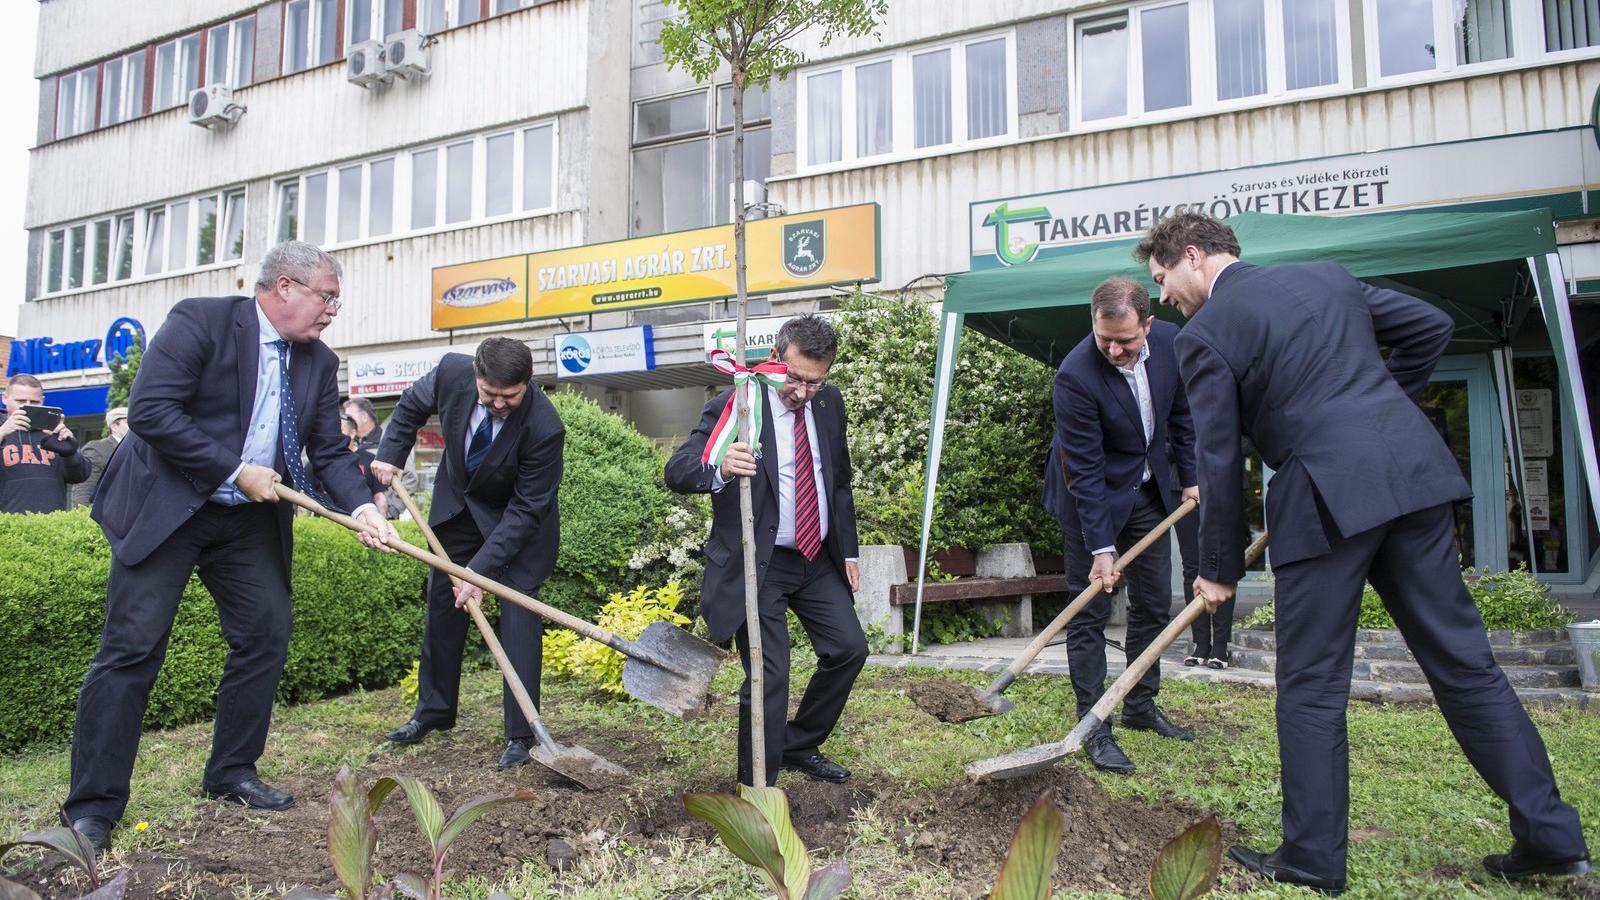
<point>1510,648</point>
<point>1407,672</point>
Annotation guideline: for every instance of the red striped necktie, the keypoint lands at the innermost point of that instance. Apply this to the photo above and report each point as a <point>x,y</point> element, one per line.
<point>807,524</point>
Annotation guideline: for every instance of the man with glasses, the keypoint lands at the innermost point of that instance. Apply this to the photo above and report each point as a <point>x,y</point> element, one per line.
<point>805,533</point>
<point>231,393</point>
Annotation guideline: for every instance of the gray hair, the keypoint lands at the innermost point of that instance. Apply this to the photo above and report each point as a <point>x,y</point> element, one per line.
<point>299,260</point>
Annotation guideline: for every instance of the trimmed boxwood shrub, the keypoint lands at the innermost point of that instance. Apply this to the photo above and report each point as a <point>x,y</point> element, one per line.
<point>1511,600</point>
<point>357,623</point>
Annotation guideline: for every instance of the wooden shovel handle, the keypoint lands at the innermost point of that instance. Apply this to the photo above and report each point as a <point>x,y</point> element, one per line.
<point>1043,638</point>
<point>518,689</point>
<point>1138,667</point>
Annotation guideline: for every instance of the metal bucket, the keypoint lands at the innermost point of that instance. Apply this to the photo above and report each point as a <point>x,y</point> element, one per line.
<point>1586,646</point>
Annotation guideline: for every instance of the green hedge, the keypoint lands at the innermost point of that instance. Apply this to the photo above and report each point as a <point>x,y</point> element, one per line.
<point>620,526</point>
<point>357,623</point>
<point>1511,600</point>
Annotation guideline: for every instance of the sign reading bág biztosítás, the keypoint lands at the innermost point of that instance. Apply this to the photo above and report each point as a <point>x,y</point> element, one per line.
<point>786,253</point>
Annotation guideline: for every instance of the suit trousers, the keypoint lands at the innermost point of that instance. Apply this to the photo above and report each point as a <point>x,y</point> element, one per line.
<point>1149,586</point>
<point>238,552</point>
<point>1211,632</point>
<point>1412,563</point>
<point>444,639</point>
<point>821,600</point>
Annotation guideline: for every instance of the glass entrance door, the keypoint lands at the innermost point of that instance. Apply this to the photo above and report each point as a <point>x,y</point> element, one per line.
<point>1460,402</point>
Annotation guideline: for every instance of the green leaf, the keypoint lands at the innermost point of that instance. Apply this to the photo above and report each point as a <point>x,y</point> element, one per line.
<point>10,890</point>
<point>351,835</point>
<point>744,830</point>
<point>829,881</point>
<point>468,812</point>
<point>412,885</point>
<point>1031,862</point>
<point>430,815</point>
<point>1188,866</point>
<point>774,804</point>
<point>65,841</point>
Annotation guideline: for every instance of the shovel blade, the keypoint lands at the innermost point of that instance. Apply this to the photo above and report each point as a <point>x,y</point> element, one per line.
<point>1023,762</point>
<point>997,704</point>
<point>685,692</point>
<point>580,765</point>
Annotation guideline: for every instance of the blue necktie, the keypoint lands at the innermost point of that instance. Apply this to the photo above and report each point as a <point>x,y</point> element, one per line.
<point>482,437</point>
<point>289,434</point>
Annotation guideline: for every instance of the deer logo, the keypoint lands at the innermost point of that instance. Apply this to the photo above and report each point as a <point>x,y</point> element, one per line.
<point>804,247</point>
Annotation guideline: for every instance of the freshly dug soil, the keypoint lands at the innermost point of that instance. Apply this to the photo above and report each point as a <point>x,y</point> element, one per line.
<point>964,829</point>
<point>947,701</point>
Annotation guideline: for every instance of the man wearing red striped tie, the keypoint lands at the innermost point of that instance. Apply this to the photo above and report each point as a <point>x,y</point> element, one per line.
<point>805,530</point>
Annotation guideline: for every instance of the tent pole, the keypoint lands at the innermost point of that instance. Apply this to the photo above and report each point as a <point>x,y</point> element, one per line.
<point>944,376</point>
<point>1552,287</point>
<point>1505,382</point>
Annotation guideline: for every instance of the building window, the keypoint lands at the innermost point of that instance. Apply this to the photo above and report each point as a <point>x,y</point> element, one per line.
<point>1241,47</point>
<point>1571,24</point>
<point>680,183</point>
<point>373,20</point>
<point>437,15</point>
<point>505,6</point>
<point>1483,30</point>
<point>1405,36</point>
<point>467,181</point>
<point>122,89</point>
<point>172,237</point>
<point>76,94</point>
<point>309,33</point>
<point>926,97</point>
<point>1310,44</point>
<point>231,53</point>
<point>177,71</point>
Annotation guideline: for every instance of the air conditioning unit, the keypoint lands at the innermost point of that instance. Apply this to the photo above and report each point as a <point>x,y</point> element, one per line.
<point>364,66</point>
<point>405,53</point>
<point>213,106</point>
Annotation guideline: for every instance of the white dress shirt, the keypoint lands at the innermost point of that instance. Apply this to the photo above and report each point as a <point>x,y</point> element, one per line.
<point>1139,382</point>
<point>783,432</point>
<point>261,435</point>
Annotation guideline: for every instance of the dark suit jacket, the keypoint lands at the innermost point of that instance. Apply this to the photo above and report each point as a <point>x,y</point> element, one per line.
<point>1100,436</point>
<point>187,416</point>
<point>1288,356</point>
<point>722,593</point>
<point>512,495</point>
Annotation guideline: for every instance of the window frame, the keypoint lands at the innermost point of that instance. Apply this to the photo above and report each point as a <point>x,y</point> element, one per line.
<point>137,220</point>
<point>313,37</point>
<point>181,91</point>
<point>1527,46</point>
<point>713,131</point>
<point>127,97</point>
<point>401,188</point>
<point>234,64</point>
<point>77,77</point>
<point>452,16</point>
<point>902,99</point>
<point>377,12</point>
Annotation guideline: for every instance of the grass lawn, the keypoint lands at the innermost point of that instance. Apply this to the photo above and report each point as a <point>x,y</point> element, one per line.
<point>1420,817</point>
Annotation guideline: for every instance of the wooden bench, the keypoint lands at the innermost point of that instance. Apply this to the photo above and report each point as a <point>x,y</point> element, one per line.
<point>1002,580</point>
<point>975,588</point>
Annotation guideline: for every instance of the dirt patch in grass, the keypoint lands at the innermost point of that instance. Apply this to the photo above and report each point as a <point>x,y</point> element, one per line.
<point>947,701</point>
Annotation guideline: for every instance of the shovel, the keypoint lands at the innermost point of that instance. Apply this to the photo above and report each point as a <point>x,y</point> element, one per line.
<point>575,763</point>
<point>989,698</point>
<point>667,667</point>
<point>1037,759</point>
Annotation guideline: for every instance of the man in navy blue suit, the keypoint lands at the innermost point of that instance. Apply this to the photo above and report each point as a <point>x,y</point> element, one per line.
<point>1118,404</point>
<point>1288,356</point>
<point>230,393</point>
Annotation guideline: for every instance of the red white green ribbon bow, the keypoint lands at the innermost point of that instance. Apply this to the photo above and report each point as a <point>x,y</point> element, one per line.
<point>748,379</point>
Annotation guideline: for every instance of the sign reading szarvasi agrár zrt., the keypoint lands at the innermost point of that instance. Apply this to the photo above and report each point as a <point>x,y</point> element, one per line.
<point>827,247</point>
<point>1541,169</point>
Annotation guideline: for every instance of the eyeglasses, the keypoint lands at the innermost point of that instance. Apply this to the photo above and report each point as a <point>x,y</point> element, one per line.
<point>330,300</point>
<point>797,383</point>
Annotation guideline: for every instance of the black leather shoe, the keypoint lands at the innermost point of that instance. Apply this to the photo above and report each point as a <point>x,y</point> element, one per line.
<point>251,792</point>
<point>1520,864</point>
<point>411,732</point>
<point>817,766</point>
<point>1157,721</point>
<point>1263,864</point>
<point>97,829</point>
<point>516,753</point>
<point>1107,756</point>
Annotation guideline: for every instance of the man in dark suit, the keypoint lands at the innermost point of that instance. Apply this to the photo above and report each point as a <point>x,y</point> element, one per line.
<point>229,394</point>
<point>494,509</point>
<point>1362,491</point>
<point>805,533</point>
<point>1118,404</point>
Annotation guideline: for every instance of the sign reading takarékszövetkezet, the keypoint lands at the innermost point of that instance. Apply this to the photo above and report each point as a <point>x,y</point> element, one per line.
<point>827,247</point>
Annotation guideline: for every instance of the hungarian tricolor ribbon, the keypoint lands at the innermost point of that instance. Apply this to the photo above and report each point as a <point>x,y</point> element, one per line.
<point>750,380</point>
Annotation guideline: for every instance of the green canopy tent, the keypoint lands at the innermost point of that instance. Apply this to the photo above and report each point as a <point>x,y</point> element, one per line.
<point>1487,270</point>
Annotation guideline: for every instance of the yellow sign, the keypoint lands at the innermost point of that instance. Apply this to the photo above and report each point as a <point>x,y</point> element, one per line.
<point>834,246</point>
<point>480,293</point>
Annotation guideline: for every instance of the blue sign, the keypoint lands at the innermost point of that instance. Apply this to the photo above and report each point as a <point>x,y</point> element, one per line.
<point>41,355</point>
<point>574,353</point>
